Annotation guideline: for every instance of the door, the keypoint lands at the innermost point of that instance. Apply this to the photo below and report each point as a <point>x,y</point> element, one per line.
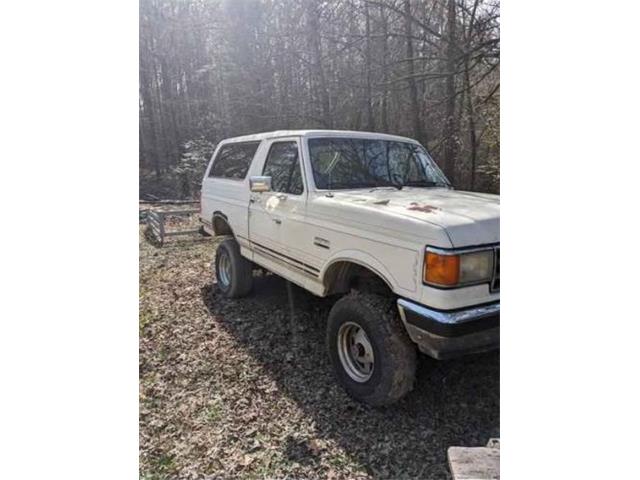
<point>276,218</point>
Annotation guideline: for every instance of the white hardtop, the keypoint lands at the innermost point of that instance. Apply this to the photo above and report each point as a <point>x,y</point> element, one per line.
<point>317,133</point>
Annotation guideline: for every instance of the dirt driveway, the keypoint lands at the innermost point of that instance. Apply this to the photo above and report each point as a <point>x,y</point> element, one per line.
<point>236,389</point>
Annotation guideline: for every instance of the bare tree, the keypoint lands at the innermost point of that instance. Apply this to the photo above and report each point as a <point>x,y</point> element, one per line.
<point>427,69</point>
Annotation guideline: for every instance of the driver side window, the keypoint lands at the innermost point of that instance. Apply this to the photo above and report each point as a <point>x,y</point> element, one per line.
<point>283,167</point>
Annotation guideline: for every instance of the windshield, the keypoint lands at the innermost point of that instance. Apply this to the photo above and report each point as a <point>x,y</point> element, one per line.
<point>344,163</point>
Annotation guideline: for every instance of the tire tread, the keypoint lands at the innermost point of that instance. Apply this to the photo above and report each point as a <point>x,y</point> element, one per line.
<point>399,379</point>
<point>242,269</point>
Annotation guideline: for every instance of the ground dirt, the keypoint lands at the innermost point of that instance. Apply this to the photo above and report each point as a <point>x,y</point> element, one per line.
<point>240,389</point>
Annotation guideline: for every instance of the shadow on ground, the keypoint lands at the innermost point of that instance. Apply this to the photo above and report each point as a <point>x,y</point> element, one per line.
<point>454,402</point>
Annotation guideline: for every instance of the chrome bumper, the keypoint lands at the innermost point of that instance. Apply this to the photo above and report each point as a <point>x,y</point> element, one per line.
<point>442,334</point>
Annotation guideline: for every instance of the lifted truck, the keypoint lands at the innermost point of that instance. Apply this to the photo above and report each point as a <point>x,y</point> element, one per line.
<point>369,217</point>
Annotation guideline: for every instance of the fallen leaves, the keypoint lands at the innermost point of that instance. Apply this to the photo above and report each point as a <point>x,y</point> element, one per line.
<point>236,389</point>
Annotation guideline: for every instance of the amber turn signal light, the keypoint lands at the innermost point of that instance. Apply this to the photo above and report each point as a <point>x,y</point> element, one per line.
<point>441,269</point>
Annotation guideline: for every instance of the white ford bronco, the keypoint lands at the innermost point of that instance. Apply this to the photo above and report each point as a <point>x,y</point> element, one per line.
<point>369,217</point>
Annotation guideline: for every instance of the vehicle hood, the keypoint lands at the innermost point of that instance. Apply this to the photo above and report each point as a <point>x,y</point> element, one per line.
<point>468,218</point>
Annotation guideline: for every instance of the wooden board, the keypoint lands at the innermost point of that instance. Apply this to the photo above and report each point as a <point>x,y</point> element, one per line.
<point>475,463</point>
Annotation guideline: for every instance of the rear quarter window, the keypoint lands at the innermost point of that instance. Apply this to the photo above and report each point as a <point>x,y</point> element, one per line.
<point>233,160</point>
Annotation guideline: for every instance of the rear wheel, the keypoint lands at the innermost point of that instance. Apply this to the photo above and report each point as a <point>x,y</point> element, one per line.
<point>374,359</point>
<point>233,271</point>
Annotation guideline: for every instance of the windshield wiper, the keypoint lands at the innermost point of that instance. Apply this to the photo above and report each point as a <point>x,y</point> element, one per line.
<point>381,182</point>
<point>387,184</point>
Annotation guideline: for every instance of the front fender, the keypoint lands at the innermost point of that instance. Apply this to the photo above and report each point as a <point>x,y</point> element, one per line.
<point>364,259</point>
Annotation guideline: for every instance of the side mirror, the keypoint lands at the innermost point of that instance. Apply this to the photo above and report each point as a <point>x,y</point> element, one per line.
<point>260,184</point>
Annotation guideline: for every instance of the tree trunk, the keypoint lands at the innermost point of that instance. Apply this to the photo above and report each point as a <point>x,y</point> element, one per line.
<point>413,89</point>
<point>473,138</point>
<point>367,22</point>
<point>316,50</point>
<point>148,112</point>
<point>385,74</point>
<point>450,133</point>
<point>473,141</point>
<point>168,94</point>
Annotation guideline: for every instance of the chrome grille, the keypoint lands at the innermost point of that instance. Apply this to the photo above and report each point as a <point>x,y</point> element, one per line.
<point>495,280</point>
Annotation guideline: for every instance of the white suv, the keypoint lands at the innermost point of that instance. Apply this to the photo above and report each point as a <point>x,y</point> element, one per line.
<point>369,217</point>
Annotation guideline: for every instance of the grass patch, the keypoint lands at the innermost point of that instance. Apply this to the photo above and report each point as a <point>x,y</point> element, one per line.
<point>164,468</point>
<point>213,412</point>
<point>144,319</point>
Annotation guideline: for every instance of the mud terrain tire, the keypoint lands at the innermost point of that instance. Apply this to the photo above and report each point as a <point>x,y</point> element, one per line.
<point>394,355</point>
<point>234,273</point>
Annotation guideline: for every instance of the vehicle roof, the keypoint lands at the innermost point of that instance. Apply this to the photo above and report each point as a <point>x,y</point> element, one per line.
<point>317,133</point>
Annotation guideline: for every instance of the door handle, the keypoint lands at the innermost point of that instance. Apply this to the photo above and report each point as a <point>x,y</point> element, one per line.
<point>281,196</point>
<point>278,221</point>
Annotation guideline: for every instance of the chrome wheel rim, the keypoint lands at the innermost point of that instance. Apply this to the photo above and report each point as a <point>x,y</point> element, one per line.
<point>355,352</point>
<point>224,269</point>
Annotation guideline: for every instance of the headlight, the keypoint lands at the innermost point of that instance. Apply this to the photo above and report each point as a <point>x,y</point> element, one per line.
<point>452,269</point>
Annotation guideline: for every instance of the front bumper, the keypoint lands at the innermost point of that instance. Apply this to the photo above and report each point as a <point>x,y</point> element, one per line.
<point>446,334</point>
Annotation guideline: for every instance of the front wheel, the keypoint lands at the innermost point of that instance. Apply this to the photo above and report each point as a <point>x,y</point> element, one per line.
<point>374,359</point>
<point>233,272</point>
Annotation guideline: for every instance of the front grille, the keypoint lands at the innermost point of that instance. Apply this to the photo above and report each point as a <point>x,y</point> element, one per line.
<point>495,280</point>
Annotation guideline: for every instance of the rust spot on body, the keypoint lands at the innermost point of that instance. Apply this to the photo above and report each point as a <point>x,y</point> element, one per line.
<point>422,208</point>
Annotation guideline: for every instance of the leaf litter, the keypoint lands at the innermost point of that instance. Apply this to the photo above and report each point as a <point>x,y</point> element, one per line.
<point>240,389</point>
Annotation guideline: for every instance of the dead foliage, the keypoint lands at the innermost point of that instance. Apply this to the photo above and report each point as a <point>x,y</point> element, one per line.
<point>237,389</point>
